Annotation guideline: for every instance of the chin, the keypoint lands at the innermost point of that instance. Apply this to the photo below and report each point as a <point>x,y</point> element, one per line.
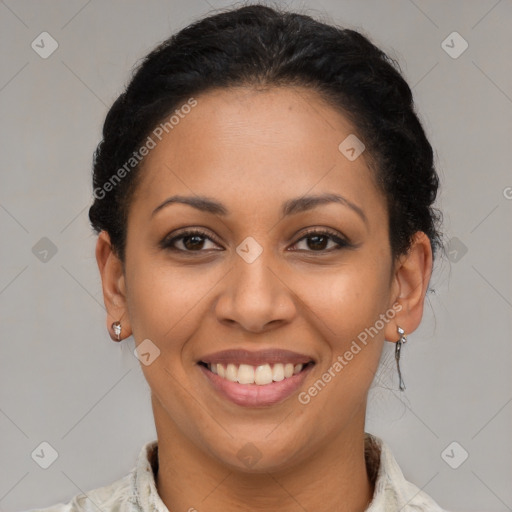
<point>257,454</point>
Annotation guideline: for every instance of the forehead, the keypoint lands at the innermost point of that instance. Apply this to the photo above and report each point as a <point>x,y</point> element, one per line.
<point>239,143</point>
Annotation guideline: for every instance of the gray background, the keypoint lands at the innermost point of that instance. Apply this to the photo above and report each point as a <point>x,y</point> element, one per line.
<point>64,382</point>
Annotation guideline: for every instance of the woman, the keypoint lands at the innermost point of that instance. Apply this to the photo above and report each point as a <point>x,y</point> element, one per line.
<point>263,199</point>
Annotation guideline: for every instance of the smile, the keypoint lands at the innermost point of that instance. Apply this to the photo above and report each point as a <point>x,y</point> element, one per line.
<point>258,378</point>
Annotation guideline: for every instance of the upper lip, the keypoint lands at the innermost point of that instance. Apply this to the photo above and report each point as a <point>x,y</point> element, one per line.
<point>257,357</point>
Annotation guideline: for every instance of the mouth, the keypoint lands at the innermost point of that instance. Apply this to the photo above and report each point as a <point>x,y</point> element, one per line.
<point>255,379</point>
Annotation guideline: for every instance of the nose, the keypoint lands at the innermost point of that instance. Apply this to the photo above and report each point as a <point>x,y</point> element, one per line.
<point>255,296</point>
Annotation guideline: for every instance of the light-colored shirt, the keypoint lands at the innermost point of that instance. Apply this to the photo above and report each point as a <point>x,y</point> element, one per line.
<point>137,492</point>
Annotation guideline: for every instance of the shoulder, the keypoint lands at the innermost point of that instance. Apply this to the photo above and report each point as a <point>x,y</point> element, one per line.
<point>115,497</point>
<point>132,493</point>
<point>392,491</point>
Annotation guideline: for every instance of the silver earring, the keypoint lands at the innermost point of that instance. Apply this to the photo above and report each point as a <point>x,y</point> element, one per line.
<point>398,349</point>
<point>116,326</point>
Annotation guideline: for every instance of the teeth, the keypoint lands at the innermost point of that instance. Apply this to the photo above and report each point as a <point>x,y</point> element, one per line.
<point>288,370</point>
<point>232,373</point>
<point>263,375</point>
<point>260,375</point>
<point>278,372</point>
<point>245,374</point>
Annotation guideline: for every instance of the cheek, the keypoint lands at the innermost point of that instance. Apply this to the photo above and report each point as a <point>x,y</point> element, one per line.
<point>345,309</point>
<point>346,300</point>
<point>165,302</point>
<point>165,306</point>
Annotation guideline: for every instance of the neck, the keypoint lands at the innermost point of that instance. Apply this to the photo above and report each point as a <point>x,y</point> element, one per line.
<point>333,479</point>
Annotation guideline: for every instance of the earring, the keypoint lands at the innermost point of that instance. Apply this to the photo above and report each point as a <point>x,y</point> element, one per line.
<point>116,326</point>
<point>398,349</point>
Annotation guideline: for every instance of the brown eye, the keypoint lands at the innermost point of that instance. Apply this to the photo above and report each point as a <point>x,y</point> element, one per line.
<point>193,242</point>
<point>318,241</point>
<point>188,241</point>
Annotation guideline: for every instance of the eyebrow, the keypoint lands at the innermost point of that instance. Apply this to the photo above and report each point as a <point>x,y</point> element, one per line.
<point>289,207</point>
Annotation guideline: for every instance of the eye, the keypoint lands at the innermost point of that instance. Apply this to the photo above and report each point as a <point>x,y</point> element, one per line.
<point>318,241</point>
<point>196,240</point>
<point>193,240</point>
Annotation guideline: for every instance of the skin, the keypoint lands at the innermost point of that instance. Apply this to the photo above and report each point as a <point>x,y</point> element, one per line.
<point>252,150</point>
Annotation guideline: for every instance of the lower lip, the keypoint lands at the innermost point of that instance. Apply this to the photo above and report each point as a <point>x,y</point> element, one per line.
<point>255,395</point>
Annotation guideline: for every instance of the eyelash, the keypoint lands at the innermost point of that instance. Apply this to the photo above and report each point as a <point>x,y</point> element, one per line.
<point>168,244</point>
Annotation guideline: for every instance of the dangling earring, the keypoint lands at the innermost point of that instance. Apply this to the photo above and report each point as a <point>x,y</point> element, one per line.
<point>116,326</point>
<point>398,349</point>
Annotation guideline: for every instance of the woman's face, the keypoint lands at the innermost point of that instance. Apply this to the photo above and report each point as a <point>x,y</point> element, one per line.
<point>252,288</point>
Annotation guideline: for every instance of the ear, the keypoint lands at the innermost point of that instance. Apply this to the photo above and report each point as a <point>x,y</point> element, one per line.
<point>409,286</point>
<point>113,283</point>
